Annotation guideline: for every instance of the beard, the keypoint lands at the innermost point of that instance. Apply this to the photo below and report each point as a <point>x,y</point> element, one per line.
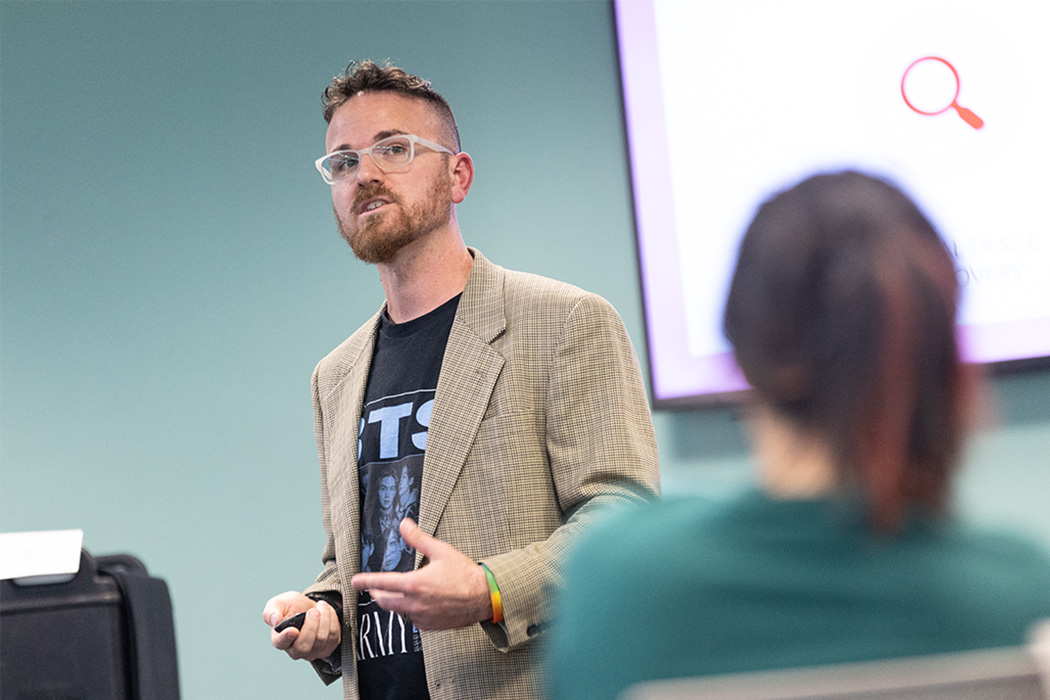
<point>382,236</point>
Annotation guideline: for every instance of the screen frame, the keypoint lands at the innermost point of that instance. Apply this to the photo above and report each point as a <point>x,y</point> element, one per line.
<point>713,381</point>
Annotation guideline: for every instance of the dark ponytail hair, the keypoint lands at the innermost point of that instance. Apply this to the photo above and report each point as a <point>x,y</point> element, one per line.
<point>841,313</point>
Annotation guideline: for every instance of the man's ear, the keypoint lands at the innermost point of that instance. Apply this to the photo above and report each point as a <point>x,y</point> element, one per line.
<point>462,171</point>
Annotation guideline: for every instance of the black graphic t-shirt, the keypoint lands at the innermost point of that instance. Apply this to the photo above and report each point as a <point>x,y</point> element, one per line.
<point>392,441</point>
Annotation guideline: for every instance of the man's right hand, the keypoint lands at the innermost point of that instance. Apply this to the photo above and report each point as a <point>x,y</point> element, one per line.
<point>320,634</point>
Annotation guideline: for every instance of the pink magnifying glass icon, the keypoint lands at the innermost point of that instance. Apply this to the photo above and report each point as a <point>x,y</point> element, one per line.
<point>933,84</point>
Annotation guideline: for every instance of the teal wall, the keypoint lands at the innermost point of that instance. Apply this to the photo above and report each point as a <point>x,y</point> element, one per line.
<point>171,273</point>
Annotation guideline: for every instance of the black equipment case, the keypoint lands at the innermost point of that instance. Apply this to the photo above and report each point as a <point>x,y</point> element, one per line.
<point>107,634</point>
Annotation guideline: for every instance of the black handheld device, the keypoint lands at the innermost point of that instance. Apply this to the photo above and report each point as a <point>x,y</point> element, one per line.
<point>295,621</point>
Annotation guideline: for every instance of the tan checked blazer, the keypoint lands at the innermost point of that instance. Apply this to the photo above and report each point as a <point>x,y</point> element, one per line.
<point>540,419</point>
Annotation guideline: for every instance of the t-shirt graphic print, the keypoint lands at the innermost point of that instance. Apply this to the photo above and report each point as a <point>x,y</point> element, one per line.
<point>392,442</point>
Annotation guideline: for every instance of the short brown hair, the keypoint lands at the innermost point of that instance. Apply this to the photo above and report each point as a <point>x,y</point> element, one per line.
<point>841,313</point>
<point>367,76</point>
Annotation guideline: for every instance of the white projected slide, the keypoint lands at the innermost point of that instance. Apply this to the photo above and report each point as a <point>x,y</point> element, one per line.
<point>726,103</point>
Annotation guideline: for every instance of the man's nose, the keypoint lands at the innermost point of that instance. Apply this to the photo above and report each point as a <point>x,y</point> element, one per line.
<point>368,170</point>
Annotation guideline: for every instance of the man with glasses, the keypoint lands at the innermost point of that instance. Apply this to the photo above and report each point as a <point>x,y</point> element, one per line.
<point>467,433</point>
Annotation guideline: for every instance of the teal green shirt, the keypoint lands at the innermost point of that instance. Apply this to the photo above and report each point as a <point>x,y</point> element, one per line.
<point>690,586</point>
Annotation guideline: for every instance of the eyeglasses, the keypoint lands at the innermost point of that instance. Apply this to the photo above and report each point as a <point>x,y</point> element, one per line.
<point>389,154</point>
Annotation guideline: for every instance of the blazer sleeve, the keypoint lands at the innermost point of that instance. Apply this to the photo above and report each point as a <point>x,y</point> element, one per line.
<point>328,581</point>
<point>602,452</point>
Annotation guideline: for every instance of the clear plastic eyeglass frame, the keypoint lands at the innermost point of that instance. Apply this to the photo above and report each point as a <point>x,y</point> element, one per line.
<point>388,160</point>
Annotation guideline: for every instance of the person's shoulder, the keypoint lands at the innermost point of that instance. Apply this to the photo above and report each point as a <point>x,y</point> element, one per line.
<point>531,286</point>
<point>331,369</point>
<point>528,287</point>
<point>530,295</point>
<point>645,529</point>
<point>1010,549</point>
<point>999,576</point>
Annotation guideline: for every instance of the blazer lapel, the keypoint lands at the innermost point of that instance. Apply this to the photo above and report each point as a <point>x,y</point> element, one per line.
<point>468,375</point>
<point>346,399</point>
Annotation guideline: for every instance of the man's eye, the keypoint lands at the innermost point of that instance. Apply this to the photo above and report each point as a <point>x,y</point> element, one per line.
<point>343,163</point>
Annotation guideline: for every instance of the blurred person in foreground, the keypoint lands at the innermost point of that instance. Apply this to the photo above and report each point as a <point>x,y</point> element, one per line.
<point>467,433</point>
<point>841,314</point>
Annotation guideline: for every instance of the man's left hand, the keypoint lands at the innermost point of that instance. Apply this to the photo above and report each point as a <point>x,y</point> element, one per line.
<point>450,592</point>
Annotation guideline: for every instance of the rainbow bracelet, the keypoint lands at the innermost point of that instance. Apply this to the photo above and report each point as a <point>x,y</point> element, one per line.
<point>497,600</point>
